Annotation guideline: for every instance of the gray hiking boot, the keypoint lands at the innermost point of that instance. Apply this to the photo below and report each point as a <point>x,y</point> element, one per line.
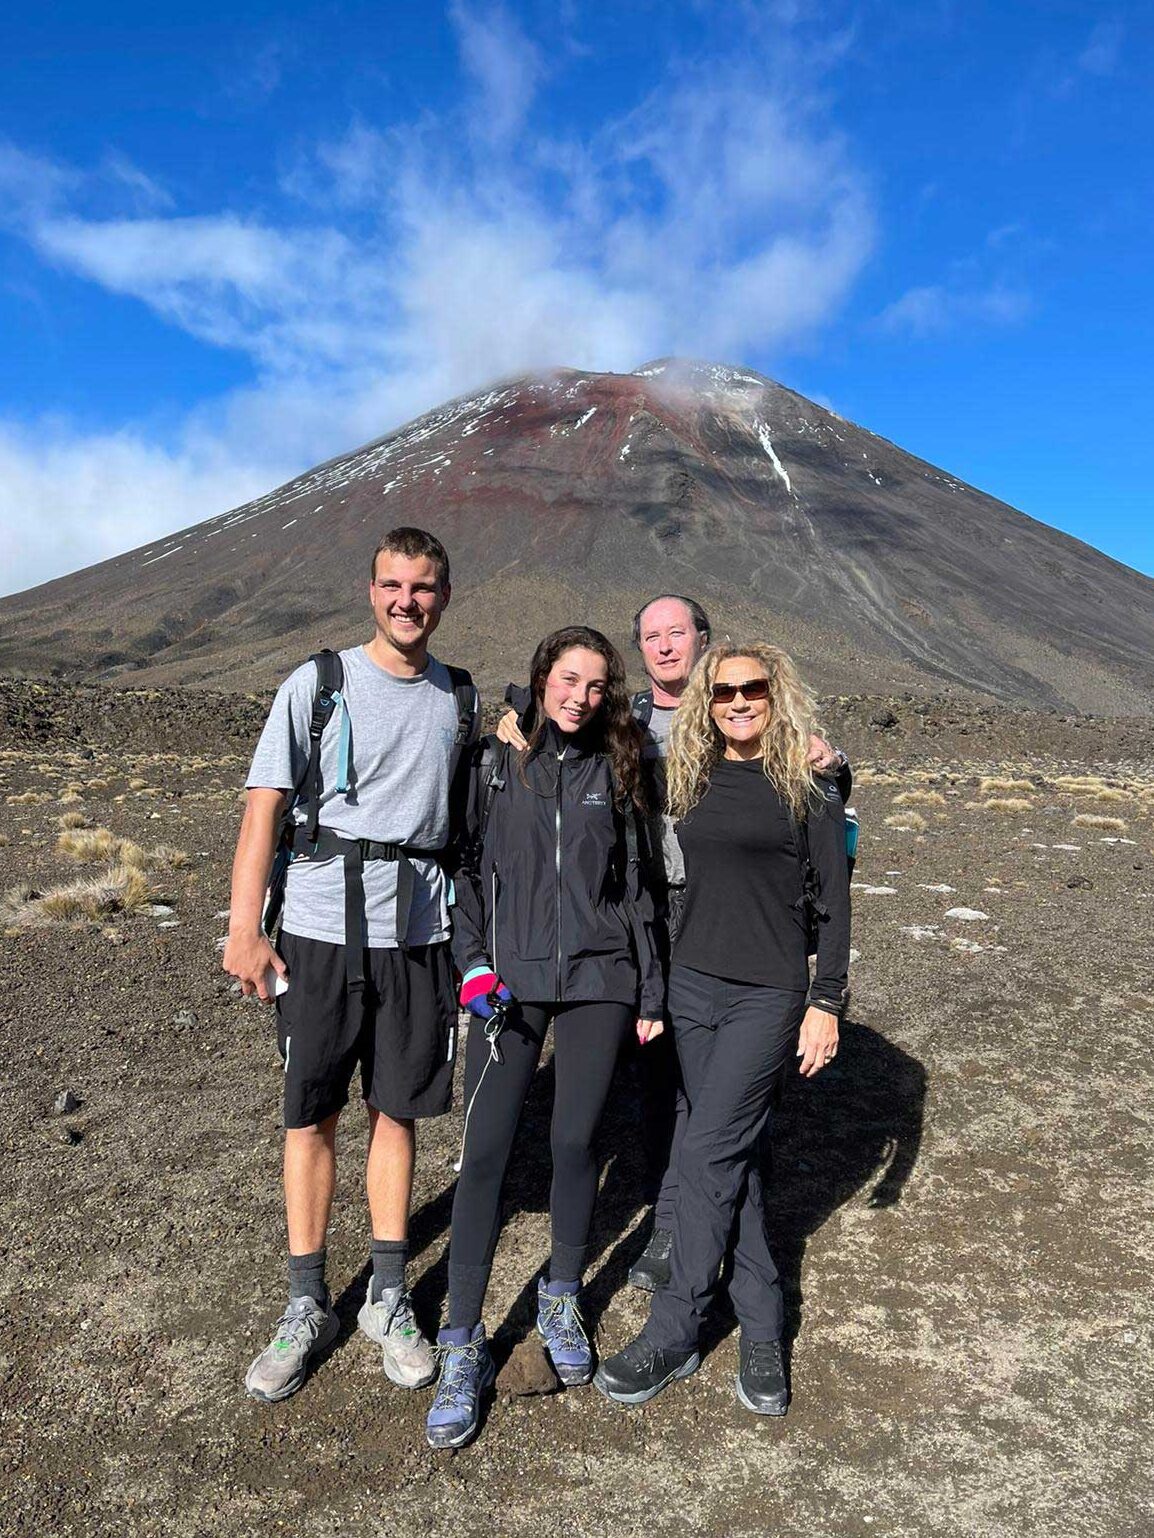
<point>406,1356</point>
<point>304,1329</point>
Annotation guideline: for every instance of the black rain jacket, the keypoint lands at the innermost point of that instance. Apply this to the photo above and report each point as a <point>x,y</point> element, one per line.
<point>550,901</point>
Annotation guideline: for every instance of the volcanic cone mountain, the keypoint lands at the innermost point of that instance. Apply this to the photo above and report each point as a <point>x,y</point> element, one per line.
<point>572,497</point>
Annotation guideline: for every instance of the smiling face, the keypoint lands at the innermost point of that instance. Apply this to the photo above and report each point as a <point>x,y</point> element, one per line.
<point>670,644</point>
<point>740,721</point>
<point>407,600</point>
<point>575,687</point>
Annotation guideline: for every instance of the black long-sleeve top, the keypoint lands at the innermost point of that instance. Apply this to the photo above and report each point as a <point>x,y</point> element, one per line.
<point>742,917</point>
<point>551,901</point>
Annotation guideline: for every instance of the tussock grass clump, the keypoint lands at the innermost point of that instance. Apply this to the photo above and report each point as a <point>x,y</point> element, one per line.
<point>1080,784</point>
<point>68,820</point>
<point>3,840</point>
<point>30,798</point>
<point>136,783</point>
<point>88,844</point>
<point>116,890</point>
<point>96,785</point>
<point>992,784</point>
<point>165,857</point>
<point>869,776</point>
<point>1008,804</point>
<point>1107,824</point>
<point>70,797</point>
<point>909,822</point>
<point>1109,794</point>
<point>920,798</point>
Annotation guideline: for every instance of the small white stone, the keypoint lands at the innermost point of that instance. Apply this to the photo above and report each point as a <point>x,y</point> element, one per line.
<point>875,891</point>
<point>939,887</point>
<point>969,914</point>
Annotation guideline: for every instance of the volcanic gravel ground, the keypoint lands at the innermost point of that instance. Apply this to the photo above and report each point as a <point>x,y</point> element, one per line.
<point>960,1204</point>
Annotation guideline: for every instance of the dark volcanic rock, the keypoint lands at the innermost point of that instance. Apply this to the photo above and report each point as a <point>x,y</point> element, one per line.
<point>575,496</point>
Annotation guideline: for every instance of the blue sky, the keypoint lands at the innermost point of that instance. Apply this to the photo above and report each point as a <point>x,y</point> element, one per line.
<point>237,240</point>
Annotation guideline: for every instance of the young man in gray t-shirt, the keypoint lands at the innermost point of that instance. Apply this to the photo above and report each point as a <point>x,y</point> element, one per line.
<point>388,1002</point>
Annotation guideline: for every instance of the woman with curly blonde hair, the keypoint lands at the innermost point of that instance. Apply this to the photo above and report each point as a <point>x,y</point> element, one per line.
<point>765,860</point>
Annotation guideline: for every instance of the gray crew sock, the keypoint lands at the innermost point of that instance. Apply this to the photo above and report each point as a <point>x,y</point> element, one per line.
<point>306,1275</point>
<point>390,1256</point>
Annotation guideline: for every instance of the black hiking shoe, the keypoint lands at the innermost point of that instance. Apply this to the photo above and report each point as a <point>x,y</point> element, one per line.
<point>641,1371</point>
<point>761,1385</point>
<point>651,1268</point>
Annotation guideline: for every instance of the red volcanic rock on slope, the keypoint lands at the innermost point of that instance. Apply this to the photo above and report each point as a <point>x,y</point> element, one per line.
<point>572,497</point>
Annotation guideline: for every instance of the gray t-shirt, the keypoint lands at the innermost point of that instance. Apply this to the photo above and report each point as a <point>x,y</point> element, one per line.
<point>662,836</point>
<point>403,730</point>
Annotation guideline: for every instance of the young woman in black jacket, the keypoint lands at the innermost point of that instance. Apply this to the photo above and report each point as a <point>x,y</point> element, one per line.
<point>553,924</point>
<point>765,861</point>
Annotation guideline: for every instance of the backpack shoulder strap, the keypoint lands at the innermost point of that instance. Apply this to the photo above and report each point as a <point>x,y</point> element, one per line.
<point>643,708</point>
<point>326,699</point>
<point>465,693</point>
<point>493,771</point>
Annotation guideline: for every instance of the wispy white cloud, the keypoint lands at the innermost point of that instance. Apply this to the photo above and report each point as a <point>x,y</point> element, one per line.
<point>722,216</point>
<point>1103,49</point>
<point>935,309</point>
<point>504,68</point>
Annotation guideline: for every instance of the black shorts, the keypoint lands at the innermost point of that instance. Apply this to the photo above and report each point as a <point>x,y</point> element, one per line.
<point>402,1029</point>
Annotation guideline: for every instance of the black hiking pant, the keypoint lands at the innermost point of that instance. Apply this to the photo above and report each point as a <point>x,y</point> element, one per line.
<point>734,1042</point>
<point>586,1041</point>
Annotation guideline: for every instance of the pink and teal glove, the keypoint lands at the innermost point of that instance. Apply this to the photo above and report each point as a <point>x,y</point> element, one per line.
<point>479,987</point>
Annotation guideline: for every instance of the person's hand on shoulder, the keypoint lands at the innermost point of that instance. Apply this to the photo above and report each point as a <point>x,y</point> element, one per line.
<point>510,733</point>
<point>824,759</point>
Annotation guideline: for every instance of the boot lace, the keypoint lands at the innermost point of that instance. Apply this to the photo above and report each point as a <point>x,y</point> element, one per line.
<point>460,1367</point>
<point>562,1322</point>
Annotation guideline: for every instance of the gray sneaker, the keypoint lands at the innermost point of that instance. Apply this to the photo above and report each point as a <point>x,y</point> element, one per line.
<point>305,1328</point>
<point>406,1356</point>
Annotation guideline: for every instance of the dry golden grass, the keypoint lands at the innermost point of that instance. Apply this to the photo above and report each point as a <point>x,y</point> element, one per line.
<point>1107,824</point>
<point>869,776</point>
<point>30,798</point>
<point>1007,804</point>
<point>3,840</point>
<point>94,786</point>
<point>68,820</point>
<point>165,857</point>
<point>1080,784</point>
<point>920,798</point>
<point>137,783</point>
<point>912,822</point>
<point>1109,794</point>
<point>116,890</point>
<point>69,797</point>
<point>88,844</point>
<point>992,784</point>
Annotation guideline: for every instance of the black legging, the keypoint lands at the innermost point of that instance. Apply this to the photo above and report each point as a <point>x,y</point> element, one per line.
<point>586,1041</point>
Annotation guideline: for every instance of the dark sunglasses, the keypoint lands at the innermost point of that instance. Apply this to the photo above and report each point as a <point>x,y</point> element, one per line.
<point>751,689</point>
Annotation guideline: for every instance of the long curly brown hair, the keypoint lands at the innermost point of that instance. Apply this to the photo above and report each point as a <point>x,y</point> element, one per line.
<point>612,729</point>
<point>696,744</point>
